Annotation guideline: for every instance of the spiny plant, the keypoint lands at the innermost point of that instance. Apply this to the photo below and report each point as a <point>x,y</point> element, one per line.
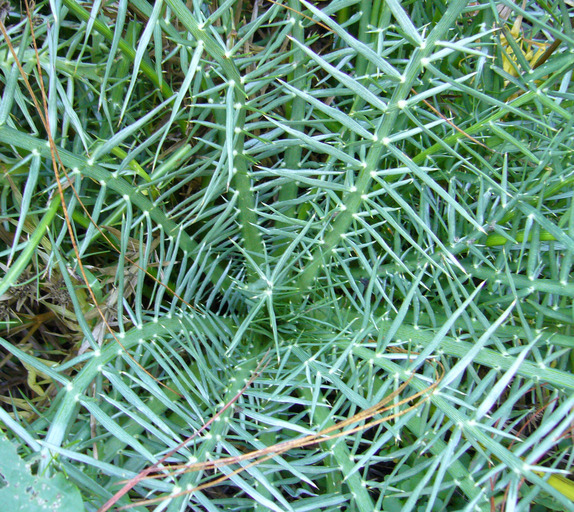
<point>290,255</point>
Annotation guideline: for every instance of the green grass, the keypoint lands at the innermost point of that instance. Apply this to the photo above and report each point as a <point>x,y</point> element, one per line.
<point>243,224</point>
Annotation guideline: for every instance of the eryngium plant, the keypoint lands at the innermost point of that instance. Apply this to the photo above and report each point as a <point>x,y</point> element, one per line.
<point>246,223</point>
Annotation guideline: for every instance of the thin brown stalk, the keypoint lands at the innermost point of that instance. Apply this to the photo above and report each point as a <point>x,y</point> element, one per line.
<point>270,452</point>
<point>58,168</point>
